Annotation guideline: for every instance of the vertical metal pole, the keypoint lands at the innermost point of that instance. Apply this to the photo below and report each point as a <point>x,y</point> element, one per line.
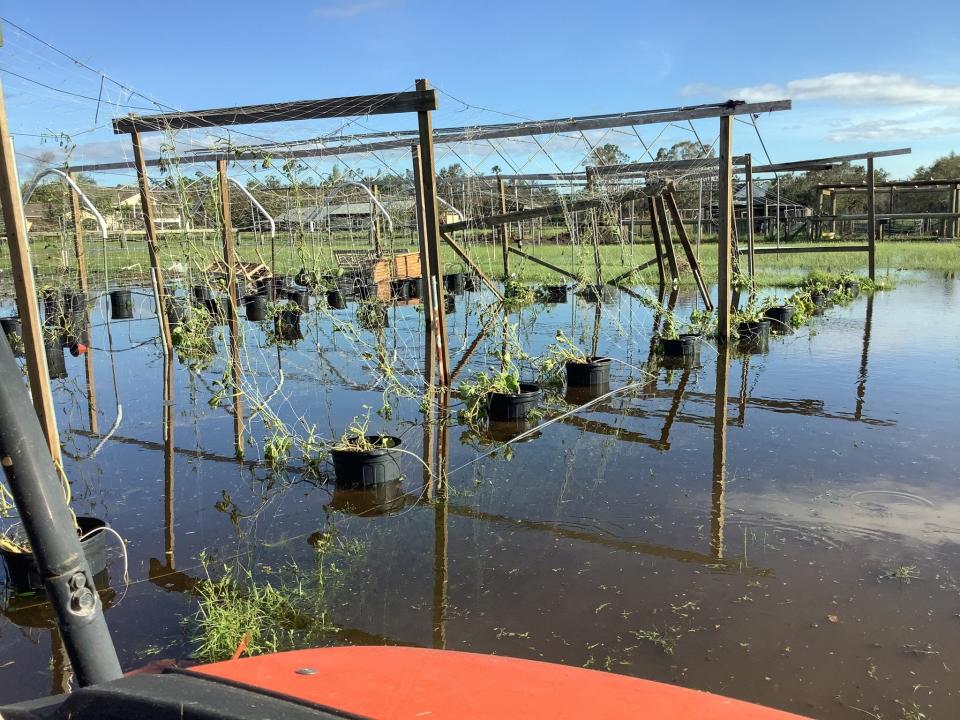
<point>39,496</point>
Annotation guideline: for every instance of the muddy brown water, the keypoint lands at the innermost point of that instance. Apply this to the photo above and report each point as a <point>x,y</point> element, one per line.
<point>747,547</point>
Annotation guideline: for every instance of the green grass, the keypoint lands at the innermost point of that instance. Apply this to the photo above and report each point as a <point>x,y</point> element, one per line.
<point>53,258</point>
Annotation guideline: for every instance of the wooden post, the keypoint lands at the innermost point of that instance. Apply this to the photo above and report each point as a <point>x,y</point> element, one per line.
<point>724,234</point>
<point>871,219</point>
<point>26,290</point>
<point>748,172</point>
<point>671,203</point>
<point>666,239</point>
<point>655,233</point>
<point>233,295</point>
<point>504,229</point>
<point>146,203</point>
<point>377,230</point>
<point>428,180</point>
<point>956,209</point>
<point>77,213</point>
<point>426,276</point>
<point>833,213</point>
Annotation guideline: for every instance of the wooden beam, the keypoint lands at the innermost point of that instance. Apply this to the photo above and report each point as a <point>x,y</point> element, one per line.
<point>790,249</point>
<point>426,276</point>
<point>724,231</point>
<point>431,217</point>
<point>26,291</point>
<point>655,233</point>
<point>377,223</point>
<point>545,211</point>
<point>474,134</point>
<point>671,203</point>
<point>871,220</point>
<point>382,104</point>
<point>899,184</point>
<point>150,228</point>
<point>667,239</point>
<point>471,264</point>
<point>504,229</point>
<point>639,268</point>
<point>545,264</point>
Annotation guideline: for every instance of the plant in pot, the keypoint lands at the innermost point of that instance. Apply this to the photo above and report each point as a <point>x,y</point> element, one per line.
<point>499,394</point>
<point>780,313</point>
<point>749,322</point>
<point>516,294</point>
<point>677,338</point>
<point>581,370</point>
<point>362,459</point>
<point>193,339</point>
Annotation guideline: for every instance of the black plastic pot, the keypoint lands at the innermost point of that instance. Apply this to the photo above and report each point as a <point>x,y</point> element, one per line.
<point>256,307</point>
<point>121,305</point>
<point>685,346</point>
<point>449,303</point>
<point>335,300</point>
<point>299,297</point>
<point>177,311</point>
<point>413,288</point>
<point>12,326</point>
<point>22,571</point>
<point>754,330</point>
<point>287,326</point>
<point>52,305</point>
<point>818,298</point>
<point>306,279</point>
<point>371,316</point>
<point>358,469</point>
<point>56,361</point>
<point>399,289</point>
<point>503,406</point>
<point>454,283</point>
<point>471,283</point>
<point>365,291</point>
<point>780,318</point>
<point>377,500</point>
<point>202,294</point>
<point>595,293</point>
<point>501,431</point>
<point>74,302</point>
<point>596,371</point>
<point>852,287</point>
<point>555,293</point>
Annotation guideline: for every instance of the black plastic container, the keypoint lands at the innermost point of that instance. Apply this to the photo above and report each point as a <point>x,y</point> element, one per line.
<point>376,500</point>
<point>598,293</point>
<point>366,468</point>
<point>12,326</point>
<point>596,371</point>
<point>413,288</point>
<point>300,298</point>
<point>555,293</point>
<point>74,302</point>
<point>685,346</point>
<point>399,289</point>
<point>365,291</point>
<point>121,305</point>
<point>371,316</point>
<point>335,300</point>
<point>22,570</point>
<point>305,278</point>
<point>287,326</point>
<point>56,361</point>
<point>177,311</point>
<point>503,406</point>
<point>202,293</point>
<point>501,431</point>
<point>852,287</point>
<point>754,330</point>
<point>454,283</point>
<point>256,306</point>
<point>449,303</point>
<point>781,318</point>
<point>52,305</point>
<point>471,283</point>
<point>818,298</point>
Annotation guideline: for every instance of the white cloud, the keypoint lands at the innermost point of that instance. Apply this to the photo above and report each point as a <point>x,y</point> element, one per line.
<point>348,9</point>
<point>887,129</point>
<point>845,87</point>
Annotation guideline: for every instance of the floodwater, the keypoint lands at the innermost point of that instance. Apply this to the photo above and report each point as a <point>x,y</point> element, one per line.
<point>794,543</point>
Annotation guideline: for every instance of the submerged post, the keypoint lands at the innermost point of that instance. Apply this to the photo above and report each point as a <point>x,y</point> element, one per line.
<point>504,229</point>
<point>49,524</point>
<point>748,172</point>
<point>26,291</point>
<point>724,230</point>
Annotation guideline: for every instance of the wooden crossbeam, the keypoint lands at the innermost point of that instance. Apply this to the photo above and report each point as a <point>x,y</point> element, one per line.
<point>899,184</point>
<point>631,271</point>
<point>471,264</point>
<point>545,211</point>
<point>670,201</point>
<point>382,104</point>
<point>790,249</point>
<point>544,263</point>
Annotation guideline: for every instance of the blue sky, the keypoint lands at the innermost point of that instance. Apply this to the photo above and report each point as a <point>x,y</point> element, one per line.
<point>863,76</point>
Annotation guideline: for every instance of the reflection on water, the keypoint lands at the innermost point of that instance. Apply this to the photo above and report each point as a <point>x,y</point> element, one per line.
<point>734,524</point>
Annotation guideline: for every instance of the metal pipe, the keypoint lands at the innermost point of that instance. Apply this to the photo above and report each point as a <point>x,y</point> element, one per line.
<point>50,527</point>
